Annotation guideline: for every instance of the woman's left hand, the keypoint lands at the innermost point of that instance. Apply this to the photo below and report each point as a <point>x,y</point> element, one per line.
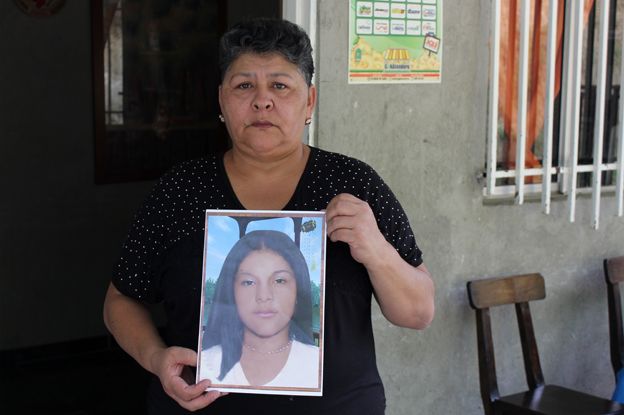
<point>352,221</point>
<point>404,292</point>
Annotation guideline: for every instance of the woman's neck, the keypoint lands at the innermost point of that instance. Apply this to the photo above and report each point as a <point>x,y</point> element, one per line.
<point>245,164</point>
<point>265,183</point>
<point>262,359</point>
<point>278,343</point>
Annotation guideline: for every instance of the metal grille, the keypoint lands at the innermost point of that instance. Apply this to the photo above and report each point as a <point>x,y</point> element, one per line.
<point>579,119</point>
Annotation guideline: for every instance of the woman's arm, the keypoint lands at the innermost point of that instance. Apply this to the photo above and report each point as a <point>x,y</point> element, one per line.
<point>133,328</point>
<point>405,293</point>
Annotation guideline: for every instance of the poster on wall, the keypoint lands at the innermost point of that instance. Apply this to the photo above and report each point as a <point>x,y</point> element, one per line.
<point>396,41</point>
<point>262,307</point>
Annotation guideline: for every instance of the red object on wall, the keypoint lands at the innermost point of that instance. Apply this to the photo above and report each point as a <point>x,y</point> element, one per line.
<point>40,8</point>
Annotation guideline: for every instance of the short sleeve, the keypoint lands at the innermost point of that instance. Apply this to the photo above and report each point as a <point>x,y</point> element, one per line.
<point>332,173</point>
<point>135,273</point>
<point>172,215</point>
<point>392,219</point>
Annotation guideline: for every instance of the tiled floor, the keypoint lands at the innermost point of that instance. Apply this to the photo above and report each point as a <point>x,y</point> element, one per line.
<point>71,381</point>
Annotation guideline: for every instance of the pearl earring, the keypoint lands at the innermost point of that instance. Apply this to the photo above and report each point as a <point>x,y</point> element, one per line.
<point>308,121</point>
<point>221,118</point>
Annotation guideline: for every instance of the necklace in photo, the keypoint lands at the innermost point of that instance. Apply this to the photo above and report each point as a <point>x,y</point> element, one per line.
<point>278,350</point>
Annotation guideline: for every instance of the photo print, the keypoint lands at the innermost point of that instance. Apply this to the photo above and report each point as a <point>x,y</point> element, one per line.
<point>261,325</point>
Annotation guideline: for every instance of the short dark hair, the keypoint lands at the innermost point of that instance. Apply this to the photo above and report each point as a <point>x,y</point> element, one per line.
<point>224,326</point>
<point>265,36</point>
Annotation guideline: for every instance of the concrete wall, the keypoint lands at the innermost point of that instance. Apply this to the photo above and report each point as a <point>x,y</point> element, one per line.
<point>59,233</point>
<point>428,142</point>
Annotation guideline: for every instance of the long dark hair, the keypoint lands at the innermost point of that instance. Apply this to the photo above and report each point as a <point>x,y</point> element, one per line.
<point>224,326</point>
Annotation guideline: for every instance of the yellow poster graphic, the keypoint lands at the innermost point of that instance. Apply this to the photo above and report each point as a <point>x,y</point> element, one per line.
<point>395,41</point>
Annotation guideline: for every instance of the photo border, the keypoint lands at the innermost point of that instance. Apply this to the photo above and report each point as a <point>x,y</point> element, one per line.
<point>263,215</point>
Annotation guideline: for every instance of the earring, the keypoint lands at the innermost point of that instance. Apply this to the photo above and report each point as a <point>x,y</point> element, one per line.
<point>221,118</point>
<point>308,121</point>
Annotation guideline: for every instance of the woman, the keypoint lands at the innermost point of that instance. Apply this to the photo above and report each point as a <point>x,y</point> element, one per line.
<point>259,330</point>
<point>266,99</point>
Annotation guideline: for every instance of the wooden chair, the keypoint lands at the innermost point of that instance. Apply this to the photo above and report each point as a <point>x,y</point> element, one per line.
<point>539,398</point>
<point>614,275</point>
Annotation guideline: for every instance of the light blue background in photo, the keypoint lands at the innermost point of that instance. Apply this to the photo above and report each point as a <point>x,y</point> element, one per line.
<point>223,234</point>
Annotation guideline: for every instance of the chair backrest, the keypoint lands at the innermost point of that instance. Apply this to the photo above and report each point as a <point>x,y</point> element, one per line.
<point>614,275</point>
<point>518,290</point>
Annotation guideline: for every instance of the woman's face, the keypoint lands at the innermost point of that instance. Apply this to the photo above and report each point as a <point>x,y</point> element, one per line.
<point>265,291</point>
<point>265,101</point>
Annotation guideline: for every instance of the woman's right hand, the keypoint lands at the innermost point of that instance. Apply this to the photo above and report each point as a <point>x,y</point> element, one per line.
<point>131,324</point>
<point>172,366</point>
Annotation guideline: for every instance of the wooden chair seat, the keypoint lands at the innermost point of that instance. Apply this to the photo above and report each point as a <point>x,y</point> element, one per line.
<point>555,400</point>
<point>539,398</point>
<point>614,276</point>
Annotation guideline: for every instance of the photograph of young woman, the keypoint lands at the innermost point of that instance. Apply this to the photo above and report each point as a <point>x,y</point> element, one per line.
<point>259,328</point>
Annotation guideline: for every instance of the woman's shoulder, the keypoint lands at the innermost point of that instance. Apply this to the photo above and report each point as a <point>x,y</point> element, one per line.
<point>305,348</point>
<point>213,352</point>
<point>342,173</point>
<point>192,167</point>
<point>324,159</point>
<point>301,368</point>
<point>338,159</point>
<point>210,362</point>
<point>184,178</point>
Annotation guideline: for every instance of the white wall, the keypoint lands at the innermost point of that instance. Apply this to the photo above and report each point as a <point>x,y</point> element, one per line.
<point>428,142</point>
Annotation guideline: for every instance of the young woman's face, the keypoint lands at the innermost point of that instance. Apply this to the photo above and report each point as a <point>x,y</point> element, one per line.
<point>265,291</point>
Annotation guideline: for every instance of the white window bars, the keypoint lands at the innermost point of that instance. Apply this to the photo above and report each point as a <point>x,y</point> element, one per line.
<point>113,64</point>
<point>512,178</point>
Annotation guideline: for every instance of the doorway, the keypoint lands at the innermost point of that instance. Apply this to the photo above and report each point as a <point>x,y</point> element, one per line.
<point>155,82</point>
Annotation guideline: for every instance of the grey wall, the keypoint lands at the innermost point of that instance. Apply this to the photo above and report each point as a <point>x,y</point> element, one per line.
<point>59,233</point>
<point>428,142</point>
